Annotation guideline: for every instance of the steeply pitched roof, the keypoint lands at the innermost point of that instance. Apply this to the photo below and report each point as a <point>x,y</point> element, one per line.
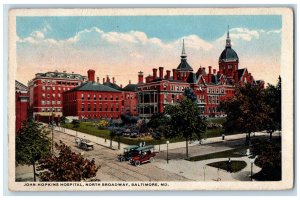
<point>131,87</point>
<point>20,86</point>
<point>192,78</point>
<point>241,72</point>
<point>94,86</point>
<point>112,85</point>
<point>184,66</point>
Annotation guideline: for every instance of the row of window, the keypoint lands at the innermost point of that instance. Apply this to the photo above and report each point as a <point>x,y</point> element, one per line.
<point>50,102</point>
<point>48,95</point>
<point>54,88</point>
<point>51,109</point>
<point>213,99</point>
<point>100,108</point>
<point>105,97</point>
<point>60,82</point>
<point>216,90</point>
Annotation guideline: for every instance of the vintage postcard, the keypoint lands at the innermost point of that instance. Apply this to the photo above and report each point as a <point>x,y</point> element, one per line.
<point>151,99</point>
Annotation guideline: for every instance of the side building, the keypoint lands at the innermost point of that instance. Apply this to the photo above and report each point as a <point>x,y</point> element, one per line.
<point>22,104</point>
<point>92,100</point>
<point>46,89</point>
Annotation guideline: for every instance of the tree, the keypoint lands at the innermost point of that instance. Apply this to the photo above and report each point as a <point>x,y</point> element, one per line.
<point>269,159</point>
<point>67,166</point>
<point>186,120</point>
<point>112,135</point>
<point>32,144</point>
<point>76,125</point>
<point>273,101</point>
<point>246,111</point>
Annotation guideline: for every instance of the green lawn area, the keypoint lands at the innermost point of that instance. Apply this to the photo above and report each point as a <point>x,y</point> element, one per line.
<point>90,128</point>
<point>233,153</point>
<point>235,165</point>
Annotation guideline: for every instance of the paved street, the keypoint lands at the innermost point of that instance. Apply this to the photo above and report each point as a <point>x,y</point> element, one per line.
<point>178,169</point>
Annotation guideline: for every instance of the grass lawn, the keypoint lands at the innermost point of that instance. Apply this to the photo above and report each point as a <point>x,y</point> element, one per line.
<point>235,165</point>
<point>90,128</point>
<point>233,153</point>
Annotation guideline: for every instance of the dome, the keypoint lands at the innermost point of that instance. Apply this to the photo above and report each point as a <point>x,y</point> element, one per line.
<point>228,54</point>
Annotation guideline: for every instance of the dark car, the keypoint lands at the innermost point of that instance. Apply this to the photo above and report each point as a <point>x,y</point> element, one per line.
<point>128,153</point>
<point>146,154</point>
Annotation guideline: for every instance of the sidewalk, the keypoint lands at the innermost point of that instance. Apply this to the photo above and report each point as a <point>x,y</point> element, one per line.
<point>163,147</point>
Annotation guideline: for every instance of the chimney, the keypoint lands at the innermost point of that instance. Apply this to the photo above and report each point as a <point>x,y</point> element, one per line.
<point>121,86</point>
<point>168,74</point>
<point>97,79</point>
<point>174,74</point>
<point>214,71</point>
<point>107,79</point>
<point>161,72</point>
<point>103,80</point>
<point>209,69</point>
<point>91,75</point>
<point>203,69</point>
<point>140,77</point>
<point>154,73</point>
<point>113,79</point>
<point>129,81</point>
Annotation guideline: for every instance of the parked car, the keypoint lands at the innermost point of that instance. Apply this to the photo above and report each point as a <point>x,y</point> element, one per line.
<point>145,154</point>
<point>84,144</point>
<point>128,153</point>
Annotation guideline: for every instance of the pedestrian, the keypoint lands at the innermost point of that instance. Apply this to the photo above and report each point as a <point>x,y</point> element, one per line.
<point>223,136</point>
<point>144,144</point>
<point>229,165</point>
<point>141,144</point>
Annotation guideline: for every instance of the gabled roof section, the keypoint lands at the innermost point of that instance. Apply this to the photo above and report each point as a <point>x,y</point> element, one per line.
<point>131,87</point>
<point>241,72</point>
<point>112,85</point>
<point>192,78</point>
<point>94,86</point>
<point>20,86</point>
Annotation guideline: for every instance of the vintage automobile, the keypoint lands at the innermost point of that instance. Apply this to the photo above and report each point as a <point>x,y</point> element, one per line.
<point>146,154</point>
<point>84,144</point>
<point>128,153</point>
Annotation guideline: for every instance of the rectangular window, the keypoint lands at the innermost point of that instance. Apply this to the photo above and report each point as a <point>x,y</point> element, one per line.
<point>89,97</point>
<point>43,88</point>
<point>89,107</point>
<point>94,97</point>
<point>100,97</point>
<point>53,88</point>
<point>111,107</point>
<point>43,95</point>
<point>53,102</point>
<point>43,109</point>
<point>111,97</point>
<point>43,102</point>
<point>58,102</point>
<point>95,107</point>
<point>82,107</point>
<point>53,95</point>
<point>82,96</point>
<point>100,107</point>
<point>48,102</point>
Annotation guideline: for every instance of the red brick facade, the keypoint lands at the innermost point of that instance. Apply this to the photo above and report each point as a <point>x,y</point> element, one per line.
<point>46,92</point>
<point>22,104</point>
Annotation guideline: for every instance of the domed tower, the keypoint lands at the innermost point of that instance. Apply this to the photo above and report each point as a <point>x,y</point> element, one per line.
<point>228,60</point>
<point>183,69</point>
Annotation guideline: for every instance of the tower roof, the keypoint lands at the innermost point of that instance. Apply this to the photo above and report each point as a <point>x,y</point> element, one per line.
<point>184,65</point>
<point>228,54</point>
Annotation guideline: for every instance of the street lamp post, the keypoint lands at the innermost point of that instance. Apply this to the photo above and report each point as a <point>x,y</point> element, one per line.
<point>204,167</point>
<point>252,162</point>
<point>168,152</point>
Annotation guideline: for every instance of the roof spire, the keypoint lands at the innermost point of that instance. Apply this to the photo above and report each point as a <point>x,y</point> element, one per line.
<point>228,41</point>
<point>183,54</point>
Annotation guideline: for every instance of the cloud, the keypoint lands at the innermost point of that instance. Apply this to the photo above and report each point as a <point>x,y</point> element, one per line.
<point>108,52</point>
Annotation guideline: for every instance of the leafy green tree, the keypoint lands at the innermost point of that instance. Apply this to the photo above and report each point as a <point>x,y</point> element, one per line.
<point>269,159</point>
<point>32,144</point>
<point>63,120</point>
<point>67,166</point>
<point>76,125</point>
<point>247,111</point>
<point>273,101</point>
<point>186,120</point>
